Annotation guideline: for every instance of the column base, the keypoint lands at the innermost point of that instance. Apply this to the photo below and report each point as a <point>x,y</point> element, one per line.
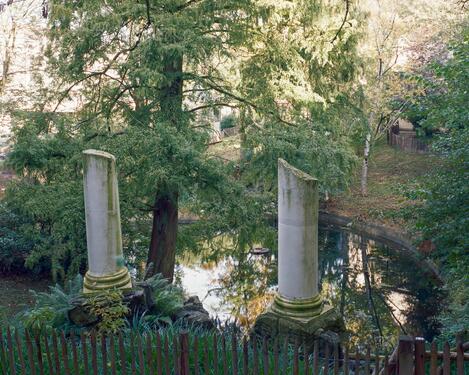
<point>118,280</point>
<point>298,308</point>
<point>302,321</point>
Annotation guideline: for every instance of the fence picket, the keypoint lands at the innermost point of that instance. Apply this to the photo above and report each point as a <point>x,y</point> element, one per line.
<point>459,358</point>
<point>305,359</point>
<point>40,362</point>
<point>133,365</point>
<point>184,358</point>
<point>234,354</point>
<point>377,364</point>
<point>433,359</point>
<point>196,356</point>
<point>265,356</point>
<point>122,355</point>
<point>326,359</point>
<point>255,359</point>
<point>149,353</point>
<point>316,358</point>
<point>3,355</point>
<point>224,356</point>
<point>245,357</point>
<point>367,360</point>
<point>336,359</point>
<point>11,353</point>
<point>55,348</point>
<point>346,363</point>
<point>48,356</point>
<point>94,355</point>
<point>285,356</point>
<point>141,362</point>
<point>20,354</point>
<point>446,359</point>
<point>104,353</point>
<point>63,344</point>
<point>419,356</point>
<point>166,354</point>
<point>159,359</point>
<point>84,351</point>
<point>30,352</point>
<point>276,355</point>
<point>296,367</point>
<point>112,352</point>
<point>357,362</point>
<point>206,365</point>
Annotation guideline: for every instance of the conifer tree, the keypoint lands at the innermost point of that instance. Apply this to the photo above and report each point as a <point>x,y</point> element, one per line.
<point>141,72</point>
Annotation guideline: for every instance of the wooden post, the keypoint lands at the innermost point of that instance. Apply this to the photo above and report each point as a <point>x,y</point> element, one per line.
<point>405,356</point>
<point>419,356</point>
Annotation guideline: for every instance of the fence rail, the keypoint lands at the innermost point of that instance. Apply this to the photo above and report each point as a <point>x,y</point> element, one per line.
<point>182,354</point>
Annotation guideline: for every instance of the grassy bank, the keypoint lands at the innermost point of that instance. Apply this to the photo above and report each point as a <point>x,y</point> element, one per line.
<point>392,172</point>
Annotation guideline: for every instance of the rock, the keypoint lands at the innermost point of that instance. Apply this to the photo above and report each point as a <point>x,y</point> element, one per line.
<point>80,314</point>
<point>193,314</point>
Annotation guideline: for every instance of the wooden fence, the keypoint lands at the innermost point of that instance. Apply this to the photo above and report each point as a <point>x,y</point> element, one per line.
<point>408,141</point>
<point>182,354</point>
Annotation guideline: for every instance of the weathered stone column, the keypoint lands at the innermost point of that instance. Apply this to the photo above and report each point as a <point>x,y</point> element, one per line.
<point>106,267</point>
<point>297,311</point>
<point>298,203</point>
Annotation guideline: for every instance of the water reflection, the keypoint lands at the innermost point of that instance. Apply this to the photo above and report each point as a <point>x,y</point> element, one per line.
<point>378,291</point>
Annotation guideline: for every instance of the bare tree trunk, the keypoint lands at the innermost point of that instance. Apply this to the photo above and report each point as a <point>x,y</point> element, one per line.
<point>162,251</point>
<point>366,155</point>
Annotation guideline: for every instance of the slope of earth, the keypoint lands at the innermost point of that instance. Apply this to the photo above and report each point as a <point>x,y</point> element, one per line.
<point>392,172</point>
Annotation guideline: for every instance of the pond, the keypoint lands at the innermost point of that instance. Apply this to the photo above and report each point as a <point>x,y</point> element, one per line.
<point>378,290</point>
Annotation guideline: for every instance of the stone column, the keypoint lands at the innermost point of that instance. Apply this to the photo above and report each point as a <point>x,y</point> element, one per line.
<point>298,203</point>
<point>106,267</point>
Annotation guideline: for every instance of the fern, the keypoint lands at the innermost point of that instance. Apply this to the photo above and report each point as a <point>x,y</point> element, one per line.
<point>168,298</point>
<point>50,309</point>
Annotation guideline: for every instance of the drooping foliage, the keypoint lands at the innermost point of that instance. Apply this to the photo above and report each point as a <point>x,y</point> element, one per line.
<point>141,77</point>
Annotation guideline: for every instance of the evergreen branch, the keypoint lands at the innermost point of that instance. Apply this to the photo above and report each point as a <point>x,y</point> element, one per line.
<point>249,103</point>
<point>148,11</point>
<point>101,72</point>
<point>347,10</point>
<point>210,106</point>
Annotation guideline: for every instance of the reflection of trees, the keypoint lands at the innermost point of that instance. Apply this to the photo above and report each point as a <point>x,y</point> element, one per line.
<point>392,295</point>
<point>245,287</point>
<point>370,283</point>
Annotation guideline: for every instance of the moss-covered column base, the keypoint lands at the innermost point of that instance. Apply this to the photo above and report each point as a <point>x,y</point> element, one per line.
<point>118,280</point>
<point>275,323</point>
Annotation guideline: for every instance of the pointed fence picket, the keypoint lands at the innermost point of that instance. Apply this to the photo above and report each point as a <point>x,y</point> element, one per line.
<point>158,353</point>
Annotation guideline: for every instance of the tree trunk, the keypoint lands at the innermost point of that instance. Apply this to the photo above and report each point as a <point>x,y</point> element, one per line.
<point>366,154</point>
<point>162,252</point>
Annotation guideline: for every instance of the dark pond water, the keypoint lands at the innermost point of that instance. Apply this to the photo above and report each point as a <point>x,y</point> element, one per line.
<point>379,291</point>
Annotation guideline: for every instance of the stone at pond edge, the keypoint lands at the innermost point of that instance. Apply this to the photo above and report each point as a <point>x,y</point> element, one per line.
<point>80,314</point>
<point>193,314</point>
